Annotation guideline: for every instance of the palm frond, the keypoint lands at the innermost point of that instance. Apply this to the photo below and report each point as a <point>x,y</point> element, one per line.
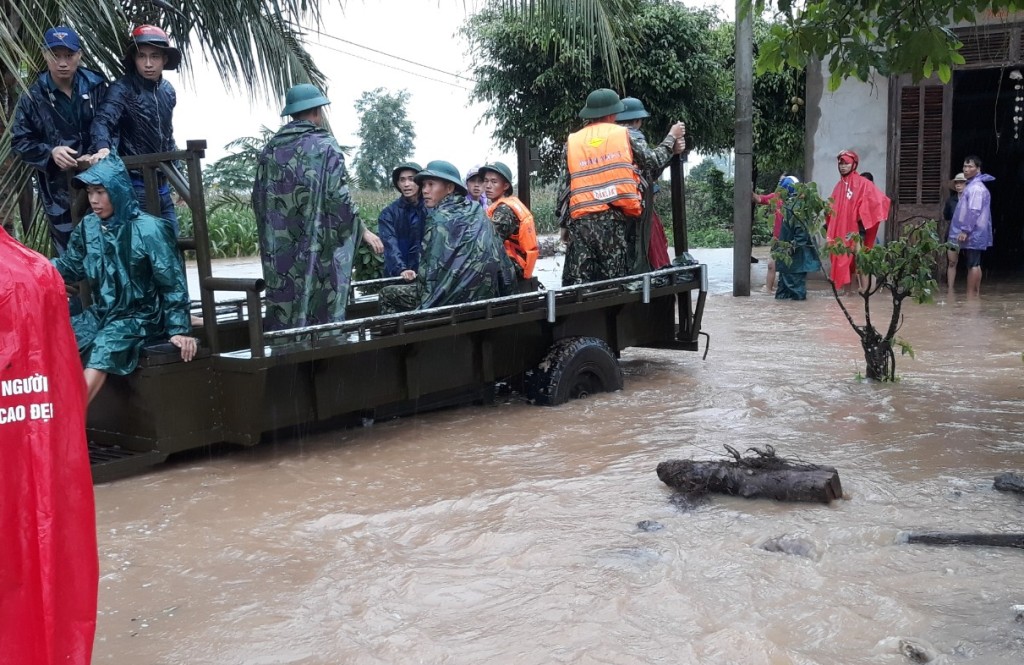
<point>593,25</point>
<point>255,45</point>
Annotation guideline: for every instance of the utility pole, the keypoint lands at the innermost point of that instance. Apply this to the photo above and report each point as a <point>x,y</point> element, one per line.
<point>743,185</point>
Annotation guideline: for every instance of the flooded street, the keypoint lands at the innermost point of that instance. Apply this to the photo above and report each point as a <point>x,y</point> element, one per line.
<point>508,533</point>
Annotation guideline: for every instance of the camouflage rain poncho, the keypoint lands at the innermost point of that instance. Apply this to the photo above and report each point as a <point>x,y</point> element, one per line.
<point>462,260</point>
<point>308,227</point>
<point>135,274</point>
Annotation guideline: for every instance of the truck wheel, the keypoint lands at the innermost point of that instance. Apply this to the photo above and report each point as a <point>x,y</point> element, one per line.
<point>574,367</point>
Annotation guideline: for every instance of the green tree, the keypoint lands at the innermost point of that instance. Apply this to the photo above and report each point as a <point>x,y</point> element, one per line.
<point>386,136</point>
<point>902,268</point>
<point>254,44</point>
<point>889,36</point>
<point>236,171</point>
<point>534,80</point>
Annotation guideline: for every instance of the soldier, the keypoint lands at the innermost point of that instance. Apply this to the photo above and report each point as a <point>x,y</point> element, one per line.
<point>401,223</point>
<point>137,115</point>
<point>650,238</point>
<point>51,126</point>
<point>604,164</point>
<point>512,220</point>
<point>462,259</point>
<point>307,222</point>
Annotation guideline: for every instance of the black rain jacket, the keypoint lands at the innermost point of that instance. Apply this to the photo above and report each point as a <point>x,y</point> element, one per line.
<point>135,118</point>
<point>39,128</point>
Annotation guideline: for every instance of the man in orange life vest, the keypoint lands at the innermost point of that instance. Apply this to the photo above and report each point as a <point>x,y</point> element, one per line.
<point>513,221</point>
<point>605,164</point>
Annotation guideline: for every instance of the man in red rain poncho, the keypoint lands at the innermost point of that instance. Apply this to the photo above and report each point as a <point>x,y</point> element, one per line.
<point>857,207</point>
<point>48,561</point>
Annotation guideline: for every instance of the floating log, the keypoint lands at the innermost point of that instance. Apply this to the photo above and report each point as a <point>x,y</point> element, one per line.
<point>761,476</point>
<point>1009,482</point>
<point>975,539</point>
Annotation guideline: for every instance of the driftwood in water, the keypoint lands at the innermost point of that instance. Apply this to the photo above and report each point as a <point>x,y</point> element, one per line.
<point>762,475</point>
<point>1009,482</point>
<point>977,539</point>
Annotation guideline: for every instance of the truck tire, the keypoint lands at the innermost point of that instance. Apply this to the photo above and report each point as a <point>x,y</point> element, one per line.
<point>574,367</point>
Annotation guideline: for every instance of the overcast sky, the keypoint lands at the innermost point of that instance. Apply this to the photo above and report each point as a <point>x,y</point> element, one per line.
<point>421,31</point>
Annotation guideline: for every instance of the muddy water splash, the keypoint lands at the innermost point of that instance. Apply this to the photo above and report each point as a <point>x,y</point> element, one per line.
<point>508,533</point>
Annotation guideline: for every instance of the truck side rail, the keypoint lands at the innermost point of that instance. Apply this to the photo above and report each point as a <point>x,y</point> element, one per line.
<point>545,304</point>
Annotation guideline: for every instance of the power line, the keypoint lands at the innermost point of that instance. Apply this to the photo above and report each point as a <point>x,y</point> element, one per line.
<point>386,54</point>
<point>397,69</point>
<point>397,57</point>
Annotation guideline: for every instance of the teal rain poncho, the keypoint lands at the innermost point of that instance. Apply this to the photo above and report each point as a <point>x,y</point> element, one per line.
<point>802,250</point>
<point>135,274</point>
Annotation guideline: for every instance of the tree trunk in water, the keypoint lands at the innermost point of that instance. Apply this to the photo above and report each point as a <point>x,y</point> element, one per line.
<point>817,484</point>
<point>979,539</point>
<point>881,363</point>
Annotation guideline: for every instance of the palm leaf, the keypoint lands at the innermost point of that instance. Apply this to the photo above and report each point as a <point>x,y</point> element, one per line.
<point>593,25</point>
<point>255,45</point>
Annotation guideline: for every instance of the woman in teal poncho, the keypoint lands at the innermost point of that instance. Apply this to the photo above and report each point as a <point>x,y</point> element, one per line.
<point>135,274</point>
<point>802,252</point>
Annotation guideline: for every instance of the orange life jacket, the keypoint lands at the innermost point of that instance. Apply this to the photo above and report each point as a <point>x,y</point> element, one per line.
<point>601,171</point>
<point>522,245</point>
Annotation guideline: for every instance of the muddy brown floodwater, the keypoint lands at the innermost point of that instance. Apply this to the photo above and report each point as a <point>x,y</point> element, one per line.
<point>508,533</point>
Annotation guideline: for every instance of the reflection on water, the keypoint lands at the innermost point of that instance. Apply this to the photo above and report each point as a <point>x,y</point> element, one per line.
<point>508,533</point>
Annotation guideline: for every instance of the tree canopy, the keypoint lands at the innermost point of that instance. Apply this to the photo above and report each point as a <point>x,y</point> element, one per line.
<point>676,59</point>
<point>889,36</point>
<point>535,79</point>
<point>386,136</point>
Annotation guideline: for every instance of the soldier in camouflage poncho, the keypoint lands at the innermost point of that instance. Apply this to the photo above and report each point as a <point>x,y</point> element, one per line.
<point>461,260</point>
<point>595,228</point>
<point>649,244</point>
<point>307,222</point>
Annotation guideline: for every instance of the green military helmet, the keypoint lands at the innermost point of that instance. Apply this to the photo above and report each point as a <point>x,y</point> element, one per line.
<point>601,102</point>
<point>634,110</point>
<point>442,170</point>
<point>301,98</point>
<point>404,166</point>
<point>501,169</point>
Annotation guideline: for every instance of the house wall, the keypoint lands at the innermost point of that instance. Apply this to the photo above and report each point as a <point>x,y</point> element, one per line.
<point>854,116</point>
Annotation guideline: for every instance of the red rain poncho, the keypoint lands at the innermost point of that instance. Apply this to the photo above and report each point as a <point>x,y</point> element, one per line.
<point>48,560</point>
<point>855,198</point>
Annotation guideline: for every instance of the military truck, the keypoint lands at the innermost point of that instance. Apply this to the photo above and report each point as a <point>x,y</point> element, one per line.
<point>553,344</point>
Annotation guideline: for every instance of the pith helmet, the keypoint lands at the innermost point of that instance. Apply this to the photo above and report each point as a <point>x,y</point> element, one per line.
<point>634,110</point>
<point>502,170</point>
<point>442,170</point>
<point>301,98</point>
<point>404,166</point>
<point>151,35</point>
<point>600,103</point>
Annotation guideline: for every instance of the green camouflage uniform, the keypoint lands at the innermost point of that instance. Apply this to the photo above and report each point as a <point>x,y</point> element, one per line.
<point>308,227</point>
<point>461,260</point>
<point>506,225</point>
<point>599,245</point>
<point>641,231</point>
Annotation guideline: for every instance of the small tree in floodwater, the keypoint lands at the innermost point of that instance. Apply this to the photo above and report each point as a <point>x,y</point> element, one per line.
<point>903,268</point>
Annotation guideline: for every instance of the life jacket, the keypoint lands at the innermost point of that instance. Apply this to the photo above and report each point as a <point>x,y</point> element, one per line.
<point>522,245</point>
<point>601,171</point>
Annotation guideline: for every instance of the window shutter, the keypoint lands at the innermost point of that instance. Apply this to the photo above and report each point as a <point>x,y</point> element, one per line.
<point>984,47</point>
<point>920,145</point>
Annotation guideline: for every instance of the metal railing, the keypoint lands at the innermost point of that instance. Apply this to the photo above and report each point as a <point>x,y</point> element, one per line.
<point>547,302</point>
